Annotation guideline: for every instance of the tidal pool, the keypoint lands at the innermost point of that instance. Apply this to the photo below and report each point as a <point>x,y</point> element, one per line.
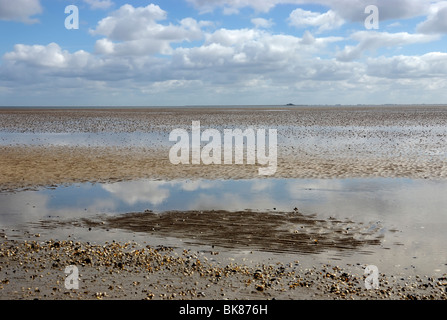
<point>390,222</point>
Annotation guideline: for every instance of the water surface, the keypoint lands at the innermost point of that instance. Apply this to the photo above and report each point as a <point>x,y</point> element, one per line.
<point>393,222</point>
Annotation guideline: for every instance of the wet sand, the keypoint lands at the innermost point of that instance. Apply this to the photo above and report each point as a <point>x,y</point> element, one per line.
<point>33,166</point>
<point>313,143</point>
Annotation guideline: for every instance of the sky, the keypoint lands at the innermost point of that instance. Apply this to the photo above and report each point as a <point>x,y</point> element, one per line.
<point>222,52</point>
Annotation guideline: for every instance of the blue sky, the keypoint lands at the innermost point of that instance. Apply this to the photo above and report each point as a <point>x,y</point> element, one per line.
<point>222,52</point>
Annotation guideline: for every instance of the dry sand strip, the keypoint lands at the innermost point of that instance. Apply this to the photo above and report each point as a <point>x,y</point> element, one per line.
<point>34,166</point>
<point>35,269</point>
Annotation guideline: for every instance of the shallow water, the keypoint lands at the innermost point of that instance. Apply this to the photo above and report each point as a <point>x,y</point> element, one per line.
<point>394,222</point>
<point>411,141</point>
<point>83,139</point>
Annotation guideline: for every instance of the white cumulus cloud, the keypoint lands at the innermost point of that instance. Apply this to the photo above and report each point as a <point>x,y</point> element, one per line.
<point>323,21</point>
<point>436,22</point>
<point>20,10</point>
<point>137,31</point>
<point>430,65</point>
<point>373,40</point>
<point>351,10</point>
<point>262,23</point>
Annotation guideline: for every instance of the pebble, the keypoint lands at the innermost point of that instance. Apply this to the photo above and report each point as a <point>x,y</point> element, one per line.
<point>123,266</point>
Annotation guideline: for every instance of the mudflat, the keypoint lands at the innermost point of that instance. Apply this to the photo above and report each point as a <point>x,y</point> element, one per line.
<point>47,148</point>
<point>318,142</point>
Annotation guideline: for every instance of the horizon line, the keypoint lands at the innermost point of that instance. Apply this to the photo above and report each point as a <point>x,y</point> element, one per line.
<point>223,105</point>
